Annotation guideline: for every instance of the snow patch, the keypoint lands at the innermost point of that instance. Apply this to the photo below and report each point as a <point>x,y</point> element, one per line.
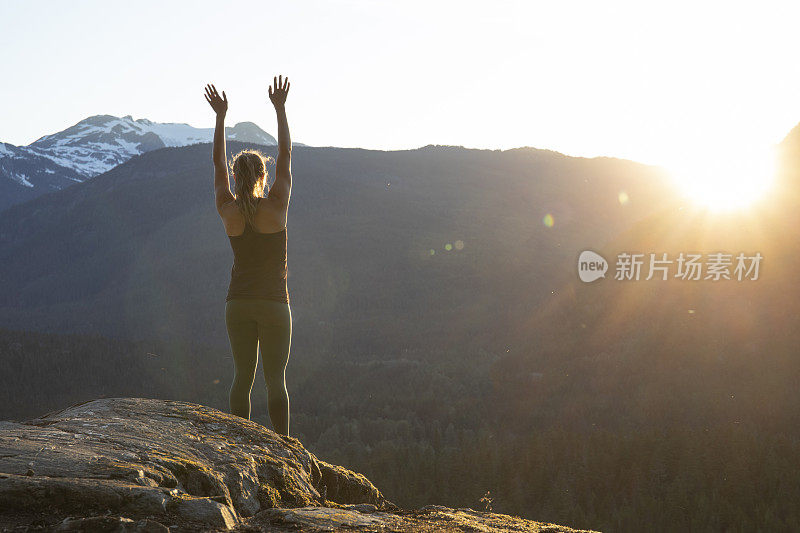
<point>22,179</point>
<point>130,148</point>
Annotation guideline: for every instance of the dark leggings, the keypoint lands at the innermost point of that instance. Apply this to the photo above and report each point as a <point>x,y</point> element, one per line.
<point>254,323</point>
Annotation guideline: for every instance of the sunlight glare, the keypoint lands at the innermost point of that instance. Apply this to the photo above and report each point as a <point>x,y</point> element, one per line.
<point>727,178</point>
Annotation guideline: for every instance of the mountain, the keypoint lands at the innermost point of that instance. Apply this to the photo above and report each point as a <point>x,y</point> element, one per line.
<point>25,174</point>
<point>96,145</point>
<point>384,246</point>
<point>443,343</point>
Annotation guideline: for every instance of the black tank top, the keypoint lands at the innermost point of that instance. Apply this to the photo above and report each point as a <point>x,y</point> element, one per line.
<point>259,265</point>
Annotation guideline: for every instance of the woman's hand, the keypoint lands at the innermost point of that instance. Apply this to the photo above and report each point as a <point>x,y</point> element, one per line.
<point>278,94</point>
<point>218,103</point>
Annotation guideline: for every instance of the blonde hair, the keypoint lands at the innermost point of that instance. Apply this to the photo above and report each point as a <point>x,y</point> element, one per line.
<point>250,176</point>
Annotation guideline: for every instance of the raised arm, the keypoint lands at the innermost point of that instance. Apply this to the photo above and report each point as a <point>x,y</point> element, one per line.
<point>221,183</point>
<point>282,188</point>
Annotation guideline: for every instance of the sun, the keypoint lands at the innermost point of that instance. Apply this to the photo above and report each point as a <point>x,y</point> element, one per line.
<point>726,179</point>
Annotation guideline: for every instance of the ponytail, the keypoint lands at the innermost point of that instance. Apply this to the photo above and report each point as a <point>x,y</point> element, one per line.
<point>250,169</point>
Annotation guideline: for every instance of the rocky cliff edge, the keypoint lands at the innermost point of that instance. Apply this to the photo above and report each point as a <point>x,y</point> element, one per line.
<point>150,465</point>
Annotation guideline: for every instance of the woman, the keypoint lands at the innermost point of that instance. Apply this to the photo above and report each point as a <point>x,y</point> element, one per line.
<point>257,312</point>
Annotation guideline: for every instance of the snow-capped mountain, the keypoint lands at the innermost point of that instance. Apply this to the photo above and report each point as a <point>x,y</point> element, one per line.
<point>95,145</point>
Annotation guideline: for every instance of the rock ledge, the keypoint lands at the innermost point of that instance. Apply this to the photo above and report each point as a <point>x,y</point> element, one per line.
<point>150,465</point>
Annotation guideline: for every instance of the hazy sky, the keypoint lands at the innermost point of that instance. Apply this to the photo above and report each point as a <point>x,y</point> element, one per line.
<point>654,83</point>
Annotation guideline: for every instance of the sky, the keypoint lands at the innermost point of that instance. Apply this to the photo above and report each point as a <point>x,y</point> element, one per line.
<point>662,83</point>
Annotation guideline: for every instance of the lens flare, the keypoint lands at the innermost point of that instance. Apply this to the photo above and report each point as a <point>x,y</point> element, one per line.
<point>726,179</point>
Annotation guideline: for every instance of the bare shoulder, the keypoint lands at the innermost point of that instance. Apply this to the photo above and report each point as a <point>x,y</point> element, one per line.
<point>228,210</point>
<point>231,218</point>
<point>274,212</point>
<point>270,217</point>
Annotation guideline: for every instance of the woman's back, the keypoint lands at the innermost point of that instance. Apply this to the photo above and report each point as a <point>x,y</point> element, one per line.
<point>259,265</point>
<point>269,217</point>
